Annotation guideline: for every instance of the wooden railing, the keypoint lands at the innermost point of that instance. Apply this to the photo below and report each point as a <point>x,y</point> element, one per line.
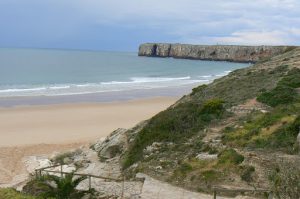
<point>217,190</point>
<point>38,172</point>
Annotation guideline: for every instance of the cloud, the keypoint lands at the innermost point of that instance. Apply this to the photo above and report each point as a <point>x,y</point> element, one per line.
<point>254,38</point>
<point>253,22</point>
<point>92,23</point>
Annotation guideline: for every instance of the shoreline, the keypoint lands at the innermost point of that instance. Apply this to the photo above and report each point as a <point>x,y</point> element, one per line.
<point>101,97</point>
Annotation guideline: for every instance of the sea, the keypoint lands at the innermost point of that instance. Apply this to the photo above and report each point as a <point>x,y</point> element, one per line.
<point>44,72</point>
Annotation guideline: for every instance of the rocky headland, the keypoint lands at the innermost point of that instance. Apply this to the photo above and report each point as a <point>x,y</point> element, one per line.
<point>212,52</point>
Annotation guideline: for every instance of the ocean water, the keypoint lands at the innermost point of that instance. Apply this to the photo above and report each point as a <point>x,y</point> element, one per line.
<point>39,72</point>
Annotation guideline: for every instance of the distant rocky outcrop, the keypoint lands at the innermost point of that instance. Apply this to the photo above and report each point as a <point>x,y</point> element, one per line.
<point>213,52</point>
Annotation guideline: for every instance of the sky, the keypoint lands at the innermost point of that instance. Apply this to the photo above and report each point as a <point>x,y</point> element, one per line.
<point>121,25</point>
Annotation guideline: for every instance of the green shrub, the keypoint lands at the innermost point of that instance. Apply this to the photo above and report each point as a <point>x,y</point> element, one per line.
<point>292,79</point>
<point>285,137</point>
<point>51,186</point>
<point>213,106</point>
<point>185,168</point>
<point>209,176</point>
<point>277,96</point>
<point>284,92</point>
<point>256,133</point>
<point>174,125</point>
<point>199,89</point>
<point>230,156</point>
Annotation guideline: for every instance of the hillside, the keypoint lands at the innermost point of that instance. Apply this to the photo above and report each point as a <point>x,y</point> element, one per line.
<point>235,132</point>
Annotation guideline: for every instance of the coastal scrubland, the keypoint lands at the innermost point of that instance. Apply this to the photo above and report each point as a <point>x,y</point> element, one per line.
<point>230,133</point>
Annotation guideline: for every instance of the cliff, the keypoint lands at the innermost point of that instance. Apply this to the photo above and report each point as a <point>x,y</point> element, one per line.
<point>215,52</point>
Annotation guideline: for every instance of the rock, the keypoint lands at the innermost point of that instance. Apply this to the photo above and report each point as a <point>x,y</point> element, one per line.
<point>163,50</point>
<point>207,156</point>
<point>34,162</point>
<point>214,52</point>
<point>68,168</point>
<point>97,144</point>
<point>147,49</point>
<point>113,145</point>
<point>153,148</point>
<point>135,165</point>
<point>67,160</point>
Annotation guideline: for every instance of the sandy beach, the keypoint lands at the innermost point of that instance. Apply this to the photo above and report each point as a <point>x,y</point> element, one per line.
<point>40,130</point>
<point>59,124</point>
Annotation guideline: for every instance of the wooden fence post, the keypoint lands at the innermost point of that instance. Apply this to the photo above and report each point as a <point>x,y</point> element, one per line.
<point>61,171</point>
<point>122,194</point>
<point>215,194</point>
<point>90,182</point>
<point>270,195</point>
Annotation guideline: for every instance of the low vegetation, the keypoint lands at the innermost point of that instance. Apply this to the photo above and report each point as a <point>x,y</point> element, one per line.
<point>285,180</point>
<point>276,129</point>
<point>9,193</point>
<point>240,85</point>
<point>285,91</point>
<point>203,174</point>
<point>175,125</point>
<point>51,186</point>
<point>230,157</point>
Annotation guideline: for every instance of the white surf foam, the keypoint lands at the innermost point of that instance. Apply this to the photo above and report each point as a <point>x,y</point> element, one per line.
<point>112,86</point>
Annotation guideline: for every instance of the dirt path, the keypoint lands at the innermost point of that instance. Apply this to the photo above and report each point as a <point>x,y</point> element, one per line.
<point>154,189</point>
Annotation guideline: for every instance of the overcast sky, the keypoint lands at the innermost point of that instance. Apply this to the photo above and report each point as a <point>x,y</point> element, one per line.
<point>122,25</point>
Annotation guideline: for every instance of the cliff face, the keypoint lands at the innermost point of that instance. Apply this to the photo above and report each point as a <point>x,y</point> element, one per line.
<point>205,52</point>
